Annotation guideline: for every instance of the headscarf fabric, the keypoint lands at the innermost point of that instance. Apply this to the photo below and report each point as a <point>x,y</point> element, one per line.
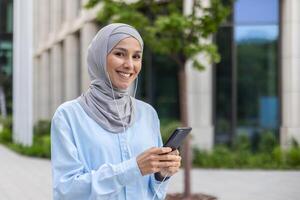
<point>112,108</point>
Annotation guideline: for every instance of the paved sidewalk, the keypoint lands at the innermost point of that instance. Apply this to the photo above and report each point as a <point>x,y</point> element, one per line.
<point>23,178</point>
<point>242,184</point>
<point>30,179</point>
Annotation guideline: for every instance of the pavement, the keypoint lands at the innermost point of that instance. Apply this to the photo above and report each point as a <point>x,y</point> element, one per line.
<point>25,178</point>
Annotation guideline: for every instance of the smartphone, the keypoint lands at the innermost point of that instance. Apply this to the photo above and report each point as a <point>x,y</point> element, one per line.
<point>177,137</point>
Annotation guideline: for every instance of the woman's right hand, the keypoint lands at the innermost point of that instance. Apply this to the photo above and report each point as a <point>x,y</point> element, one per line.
<point>149,160</point>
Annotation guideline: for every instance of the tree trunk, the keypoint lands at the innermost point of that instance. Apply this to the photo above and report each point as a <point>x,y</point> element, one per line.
<point>184,121</point>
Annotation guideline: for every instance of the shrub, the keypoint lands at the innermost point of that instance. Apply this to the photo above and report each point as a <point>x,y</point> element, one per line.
<point>242,143</point>
<point>41,140</point>
<point>293,157</point>
<point>42,127</point>
<point>223,157</point>
<point>6,122</point>
<point>267,142</point>
<point>6,136</point>
<point>167,126</point>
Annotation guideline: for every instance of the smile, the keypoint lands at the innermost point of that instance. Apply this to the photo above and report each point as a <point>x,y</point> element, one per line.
<point>124,74</point>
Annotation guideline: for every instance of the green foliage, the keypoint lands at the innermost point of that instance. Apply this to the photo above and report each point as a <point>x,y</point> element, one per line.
<point>166,29</point>
<point>42,127</point>
<point>267,142</point>
<point>6,122</point>
<point>269,156</point>
<point>41,146</point>
<point>5,129</point>
<point>293,157</point>
<point>242,143</point>
<point>167,126</point>
<point>5,136</point>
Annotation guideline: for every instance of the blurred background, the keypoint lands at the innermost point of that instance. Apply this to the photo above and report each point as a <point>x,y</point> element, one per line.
<point>244,110</point>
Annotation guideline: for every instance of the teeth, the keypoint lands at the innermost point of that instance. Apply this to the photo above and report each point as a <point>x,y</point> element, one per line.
<point>124,74</point>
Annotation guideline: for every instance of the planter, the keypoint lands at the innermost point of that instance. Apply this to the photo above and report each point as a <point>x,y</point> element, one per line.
<point>179,196</point>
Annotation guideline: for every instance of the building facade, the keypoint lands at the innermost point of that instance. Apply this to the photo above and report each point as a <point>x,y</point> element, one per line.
<point>256,87</point>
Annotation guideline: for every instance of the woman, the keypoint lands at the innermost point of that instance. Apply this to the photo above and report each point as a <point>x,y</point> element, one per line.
<point>107,144</point>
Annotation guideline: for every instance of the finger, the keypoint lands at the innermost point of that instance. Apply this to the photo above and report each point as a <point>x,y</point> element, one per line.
<point>176,152</point>
<point>172,170</point>
<point>155,169</point>
<point>160,150</point>
<point>167,164</point>
<point>169,157</point>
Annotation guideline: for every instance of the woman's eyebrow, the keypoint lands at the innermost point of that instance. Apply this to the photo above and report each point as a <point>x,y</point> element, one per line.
<point>123,49</point>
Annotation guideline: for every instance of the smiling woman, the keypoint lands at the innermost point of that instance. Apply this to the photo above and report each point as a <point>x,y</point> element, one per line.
<point>106,144</point>
<point>124,62</point>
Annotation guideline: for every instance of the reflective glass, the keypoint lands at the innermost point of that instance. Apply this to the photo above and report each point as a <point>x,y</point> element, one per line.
<point>6,16</point>
<point>246,82</point>
<point>223,84</point>
<point>257,75</point>
<point>158,84</point>
<point>256,33</point>
<point>256,12</point>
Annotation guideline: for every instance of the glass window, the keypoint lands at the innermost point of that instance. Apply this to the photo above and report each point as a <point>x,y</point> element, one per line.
<point>223,83</point>
<point>256,12</point>
<point>256,33</point>
<point>257,78</point>
<point>246,85</point>
<point>6,57</point>
<point>6,29</point>
<point>6,16</point>
<point>158,84</point>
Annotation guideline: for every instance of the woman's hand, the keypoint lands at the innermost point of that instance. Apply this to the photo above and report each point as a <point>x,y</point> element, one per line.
<point>162,160</point>
<point>150,161</point>
<point>175,158</point>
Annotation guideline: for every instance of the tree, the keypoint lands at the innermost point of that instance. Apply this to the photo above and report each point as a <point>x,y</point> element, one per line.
<point>167,30</point>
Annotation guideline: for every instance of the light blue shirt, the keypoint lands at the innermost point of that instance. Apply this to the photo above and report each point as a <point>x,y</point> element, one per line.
<point>89,162</point>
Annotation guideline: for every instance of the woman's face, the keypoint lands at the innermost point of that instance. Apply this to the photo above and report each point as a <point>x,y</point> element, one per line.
<point>124,62</point>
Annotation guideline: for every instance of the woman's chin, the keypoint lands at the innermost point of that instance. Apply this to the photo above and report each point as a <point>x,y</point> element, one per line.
<point>123,86</point>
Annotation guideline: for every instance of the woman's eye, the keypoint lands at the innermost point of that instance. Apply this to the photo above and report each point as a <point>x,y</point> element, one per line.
<point>136,56</point>
<point>119,54</point>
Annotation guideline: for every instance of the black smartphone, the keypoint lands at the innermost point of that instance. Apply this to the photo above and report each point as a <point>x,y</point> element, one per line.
<point>177,137</point>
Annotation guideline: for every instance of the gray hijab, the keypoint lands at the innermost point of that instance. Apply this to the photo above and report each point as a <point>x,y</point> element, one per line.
<point>103,102</point>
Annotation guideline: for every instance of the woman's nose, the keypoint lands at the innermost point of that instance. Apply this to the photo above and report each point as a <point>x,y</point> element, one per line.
<point>128,63</point>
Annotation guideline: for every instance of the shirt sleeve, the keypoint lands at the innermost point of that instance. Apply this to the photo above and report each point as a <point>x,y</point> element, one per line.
<point>71,180</point>
<point>159,188</point>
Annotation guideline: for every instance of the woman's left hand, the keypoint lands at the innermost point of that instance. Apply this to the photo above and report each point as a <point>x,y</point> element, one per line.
<point>175,158</point>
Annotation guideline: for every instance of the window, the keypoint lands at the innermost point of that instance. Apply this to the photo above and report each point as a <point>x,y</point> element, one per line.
<point>246,84</point>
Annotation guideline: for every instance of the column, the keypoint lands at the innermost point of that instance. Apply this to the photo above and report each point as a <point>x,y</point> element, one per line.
<point>200,98</point>
<point>36,24</point>
<point>290,65</point>
<point>87,33</point>
<point>56,77</point>
<point>71,53</point>
<point>200,104</point>
<point>44,22</point>
<point>35,90</point>
<point>22,68</point>
<point>44,87</point>
<point>70,9</point>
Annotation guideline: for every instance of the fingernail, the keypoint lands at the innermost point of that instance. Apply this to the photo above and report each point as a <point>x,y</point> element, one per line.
<point>167,149</point>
